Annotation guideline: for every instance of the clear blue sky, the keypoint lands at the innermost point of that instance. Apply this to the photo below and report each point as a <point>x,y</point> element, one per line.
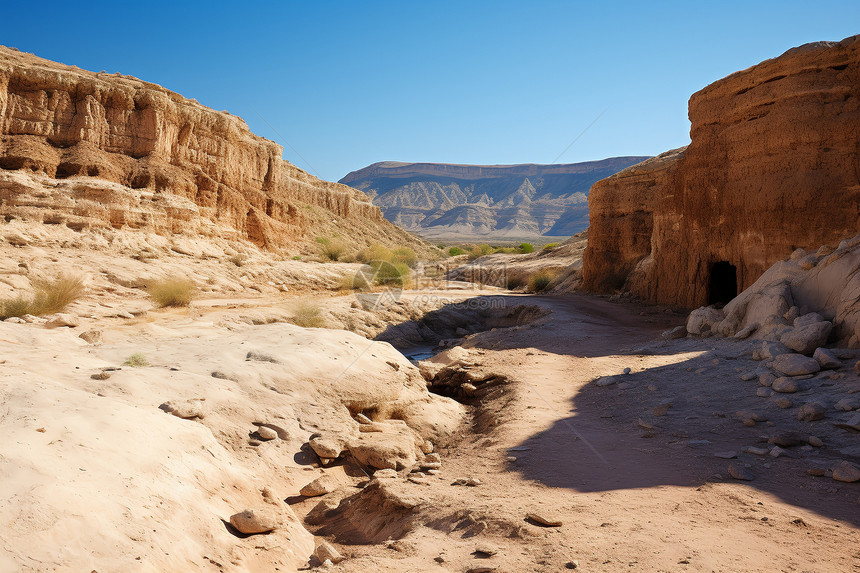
<point>351,83</point>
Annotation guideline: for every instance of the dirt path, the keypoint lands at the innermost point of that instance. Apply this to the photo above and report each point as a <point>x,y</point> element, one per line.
<point>635,491</point>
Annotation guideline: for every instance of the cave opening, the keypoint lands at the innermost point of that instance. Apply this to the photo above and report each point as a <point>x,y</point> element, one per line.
<point>723,285</point>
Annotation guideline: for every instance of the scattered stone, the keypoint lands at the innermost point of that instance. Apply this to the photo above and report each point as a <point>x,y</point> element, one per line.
<point>815,442</point>
<point>185,409</point>
<point>674,333</point>
<point>543,520</point>
<point>738,471</point>
<point>795,364</point>
<point>627,371</point>
<point>763,392</point>
<point>776,451</point>
<point>467,481</point>
<point>433,459</point>
<point>756,451</point>
<point>482,569</point>
<point>826,359</point>
<point>661,409</point>
<point>387,473</point>
<point>572,565</point>
<point>92,336</point>
<point>430,465</point>
<point>769,350</point>
<point>487,549</point>
<point>362,419</point>
<point>749,418</point>
<point>252,521</point>
<point>853,423</point>
<point>726,455</point>
<point>788,439</point>
<point>605,381</point>
<point>846,472</point>
<point>266,433</point>
<point>15,320</point>
<point>320,486</point>
<point>645,425</point>
<point>328,447</point>
<point>783,402</point>
<point>61,320</point>
<point>748,376</point>
<point>811,411</point>
<point>846,405</point>
<point>815,471</point>
<point>697,443</point>
<point>785,385</point>
<point>746,331</point>
<point>807,319</point>
<point>103,375</point>
<point>807,337</point>
<point>326,551</point>
<point>766,379</point>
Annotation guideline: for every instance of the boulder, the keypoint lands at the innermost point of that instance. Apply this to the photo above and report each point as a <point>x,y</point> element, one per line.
<point>811,411</point>
<point>381,450</point>
<point>795,364</point>
<point>806,338</point>
<point>769,350</point>
<point>320,486</point>
<point>846,472</point>
<point>786,385</point>
<point>826,359</point>
<point>251,521</point>
<point>807,319</point>
<point>326,551</point>
<point>702,320</point>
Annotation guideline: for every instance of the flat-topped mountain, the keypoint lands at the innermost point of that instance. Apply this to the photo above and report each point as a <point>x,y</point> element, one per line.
<point>441,199</point>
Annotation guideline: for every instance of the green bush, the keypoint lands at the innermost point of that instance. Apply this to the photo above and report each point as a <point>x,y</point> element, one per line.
<point>404,255</point>
<point>527,248</point>
<point>550,247</point>
<point>374,252</point>
<point>454,251</point>
<point>514,282</point>
<point>357,281</point>
<point>391,273</point>
<point>540,281</point>
<point>172,292</point>
<point>331,249</point>
<point>50,296</point>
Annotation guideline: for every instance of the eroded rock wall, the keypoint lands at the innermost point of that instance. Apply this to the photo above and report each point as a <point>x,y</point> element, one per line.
<point>182,165</point>
<point>773,165</point>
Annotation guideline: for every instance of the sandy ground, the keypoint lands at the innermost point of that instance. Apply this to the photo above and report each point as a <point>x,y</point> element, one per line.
<point>631,498</point>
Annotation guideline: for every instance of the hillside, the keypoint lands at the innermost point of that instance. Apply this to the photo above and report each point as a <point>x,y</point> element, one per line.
<point>445,200</point>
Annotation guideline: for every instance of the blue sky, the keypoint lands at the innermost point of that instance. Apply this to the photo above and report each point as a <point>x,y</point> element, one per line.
<point>350,83</point>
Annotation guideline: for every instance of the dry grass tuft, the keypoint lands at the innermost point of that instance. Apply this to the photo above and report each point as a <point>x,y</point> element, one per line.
<point>50,296</point>
<point>172,292</point>
<point>308,316</point>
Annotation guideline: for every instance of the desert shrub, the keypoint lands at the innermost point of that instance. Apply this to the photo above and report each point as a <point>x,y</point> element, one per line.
<point>454,251</point>
<point>440,246</point>
<point>331,249</point>
<point>172,291</point>
<point>391,273</point>
<point>50,296</point>
<point>541,280</point>
<point>354,281</point>
<point>486,249</point>
<point>404,255</point>
<point>308,316</point>
<point>136,360</point>
<point>238,259</point>
<point>550,247</point>
<point>507,250</point>
<point>527,248</point>
<point>297,257</point>
<point>374,252</point>
<point>515,281</point>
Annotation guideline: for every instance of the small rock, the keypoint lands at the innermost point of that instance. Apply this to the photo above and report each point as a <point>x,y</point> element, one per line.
<point>326,551</point>
<point>387,473</point>
<point>766,379</point>
<point>788,439</point>
<point>92,336</point>
<point>327,447</point>
<point>776,451</point>
<point>674,333</point>
<point>482,569</point>
<point>252,521</point>
<point>740,472</point>
<point>763,392</point>
<point>571,565</point>
<point>811,411</point>
<point>745,332</point>
<point>807,337</point>
<point>826,359</point>
<point>783,402</point>
<point>661,409</point>
<point>815,471</point>
<point>756,451</point>
<point>362,419</point>
<point>846,472</point>
<point>61,320</point>
<point>785,385</point>
<point>103,375</point>
<point>644,425</point>
<point>627,371</point>
<point>795,364</point>
<point>320,486</point>
<point>726,455</point>
<point>748,376</point>
<point>266,433</point>
<point>605,381</point>
<point>815,442</point>
<point>185,409</point>
<point>846,405</point>
<point>467,481</point>
<point>487,549</point>
<point>543,520</point>
<point>749,418</point>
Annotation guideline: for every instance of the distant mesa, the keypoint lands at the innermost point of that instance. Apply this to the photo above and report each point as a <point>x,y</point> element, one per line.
<point>773,166</point>
<point>448,200</point>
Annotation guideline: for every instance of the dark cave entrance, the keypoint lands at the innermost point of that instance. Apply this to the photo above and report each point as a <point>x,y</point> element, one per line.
<point>723,285</point>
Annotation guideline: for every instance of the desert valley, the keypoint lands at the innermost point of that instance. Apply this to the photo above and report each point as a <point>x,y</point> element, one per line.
<point>212,360</point>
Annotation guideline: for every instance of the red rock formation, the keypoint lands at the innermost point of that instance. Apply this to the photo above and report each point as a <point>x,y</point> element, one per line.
<point>176,162</point>
<point>774,165</point>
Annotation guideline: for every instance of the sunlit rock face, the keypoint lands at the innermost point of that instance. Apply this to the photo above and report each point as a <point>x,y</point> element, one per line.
<point>773,165</point>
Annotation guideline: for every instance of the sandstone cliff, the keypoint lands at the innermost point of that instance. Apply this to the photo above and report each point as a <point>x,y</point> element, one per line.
<point>92,150</point>
<point>438,199</point>
<point>773,165</point>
